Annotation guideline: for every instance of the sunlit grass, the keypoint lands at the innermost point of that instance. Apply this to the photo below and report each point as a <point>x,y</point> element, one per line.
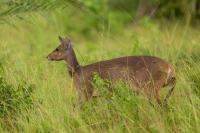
<point>23,50</point>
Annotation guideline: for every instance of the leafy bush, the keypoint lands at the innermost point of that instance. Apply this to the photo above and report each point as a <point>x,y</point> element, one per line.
<point>100,84</point>
<point>176,8</point>
<point>14,101</point>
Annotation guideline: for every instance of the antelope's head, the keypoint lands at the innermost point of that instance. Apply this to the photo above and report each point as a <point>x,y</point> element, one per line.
<point>62,51</point>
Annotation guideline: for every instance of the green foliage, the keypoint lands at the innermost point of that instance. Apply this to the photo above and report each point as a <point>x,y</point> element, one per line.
<point>194,76</point>
<point>14,101</point>
<point>99,16</point>
<point>22,6</point>
<point>176,8</point>
<point>96,6</point>
<point>123,5</point>
<point>22,55</point>
<point>100,84</point>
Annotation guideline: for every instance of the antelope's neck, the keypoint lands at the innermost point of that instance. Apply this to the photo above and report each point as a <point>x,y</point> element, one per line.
<point>72,62</point>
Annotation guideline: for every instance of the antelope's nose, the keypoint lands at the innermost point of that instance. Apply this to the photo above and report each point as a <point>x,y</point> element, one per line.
<point>48,58</point>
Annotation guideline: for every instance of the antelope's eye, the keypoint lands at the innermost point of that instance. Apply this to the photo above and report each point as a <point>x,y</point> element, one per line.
<point>57,49</point>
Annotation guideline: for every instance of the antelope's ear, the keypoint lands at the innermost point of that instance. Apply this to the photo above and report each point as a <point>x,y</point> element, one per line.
<point>67,44</point>
<point>60,38</point>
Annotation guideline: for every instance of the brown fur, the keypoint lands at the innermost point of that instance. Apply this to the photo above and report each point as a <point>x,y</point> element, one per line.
<point>145,73</point>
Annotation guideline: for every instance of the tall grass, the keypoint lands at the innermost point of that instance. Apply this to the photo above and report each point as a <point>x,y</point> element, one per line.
<point>23,50</point>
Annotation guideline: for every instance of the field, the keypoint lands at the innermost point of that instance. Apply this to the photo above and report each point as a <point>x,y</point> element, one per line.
<point>38,95</point>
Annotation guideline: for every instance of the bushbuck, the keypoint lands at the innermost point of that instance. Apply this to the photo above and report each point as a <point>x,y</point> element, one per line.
<point>146,74</point>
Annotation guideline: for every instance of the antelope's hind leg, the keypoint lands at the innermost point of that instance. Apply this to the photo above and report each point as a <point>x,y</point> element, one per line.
<point>159,80</point>
<point>157,96</point>
<point>153,93</point>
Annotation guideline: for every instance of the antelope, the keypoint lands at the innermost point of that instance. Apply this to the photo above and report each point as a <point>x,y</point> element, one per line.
<point>144,73</point>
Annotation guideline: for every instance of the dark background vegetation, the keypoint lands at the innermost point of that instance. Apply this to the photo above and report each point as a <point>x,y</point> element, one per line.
<point>98,14</point>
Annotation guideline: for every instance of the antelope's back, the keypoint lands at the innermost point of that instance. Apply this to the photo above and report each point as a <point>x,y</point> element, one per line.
<point>140,69</point>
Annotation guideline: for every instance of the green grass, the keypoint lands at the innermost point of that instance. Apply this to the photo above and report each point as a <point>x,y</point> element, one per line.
<point>25,45</point>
